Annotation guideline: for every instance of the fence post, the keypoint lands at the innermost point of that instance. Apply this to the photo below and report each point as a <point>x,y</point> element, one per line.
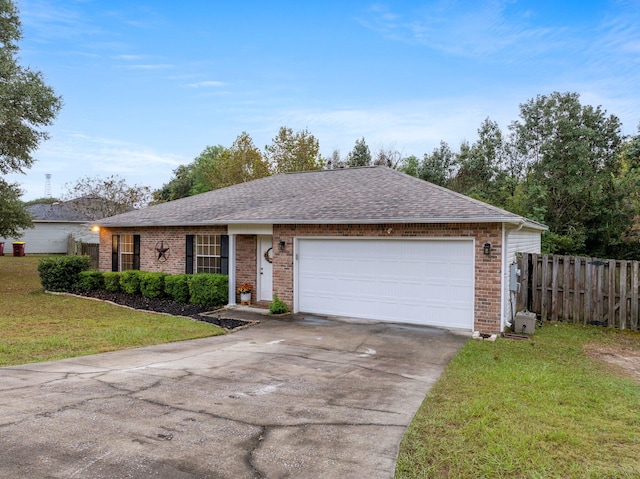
<point>555,271</point>
<point>634,295</point>
<point>623,294</point>
<point>577,288</point>
<point>535,283</point>
<point>612,293</point>
<point>543,289</point>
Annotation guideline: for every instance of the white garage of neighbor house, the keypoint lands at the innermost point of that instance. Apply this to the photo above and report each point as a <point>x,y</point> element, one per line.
<point>52,225</point>
<point>357,242</point>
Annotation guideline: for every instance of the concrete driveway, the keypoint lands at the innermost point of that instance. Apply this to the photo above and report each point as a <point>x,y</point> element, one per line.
<point>300,397</point>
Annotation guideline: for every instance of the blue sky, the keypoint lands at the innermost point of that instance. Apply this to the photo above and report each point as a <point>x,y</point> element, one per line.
<point>147,85</point>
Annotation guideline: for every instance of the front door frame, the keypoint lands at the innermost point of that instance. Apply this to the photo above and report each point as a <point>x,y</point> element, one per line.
<point>264,280</point>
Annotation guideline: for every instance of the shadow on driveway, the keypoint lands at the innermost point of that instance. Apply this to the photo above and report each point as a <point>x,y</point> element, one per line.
<point>300,397</point>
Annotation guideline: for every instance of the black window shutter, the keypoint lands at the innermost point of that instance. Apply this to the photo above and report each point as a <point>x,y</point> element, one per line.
<point>136,251</point>
<point>114,252</point>
<point>224,254</point>
<point>188,260</point>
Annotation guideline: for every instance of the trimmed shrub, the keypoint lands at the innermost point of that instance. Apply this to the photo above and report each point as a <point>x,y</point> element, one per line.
<point>90,281</point>
<point>209,289</point>
<point>130,281</point>
<point>278,307</point>
<point>112,281</point>
<point>152,284</point>
<point>177,287</point>
<point>61,273</point>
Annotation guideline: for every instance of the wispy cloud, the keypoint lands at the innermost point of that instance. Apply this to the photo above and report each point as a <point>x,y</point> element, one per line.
<point>150,66</point>
<point>467,29</point>
<point>206,84</point>
<point>412,127</point>
<point>129,57</point>
<point>51,21</point>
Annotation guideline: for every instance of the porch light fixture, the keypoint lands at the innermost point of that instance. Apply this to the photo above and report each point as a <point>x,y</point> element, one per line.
<point>282,244</point>
<point>95,228</point>
<point>487,249</point>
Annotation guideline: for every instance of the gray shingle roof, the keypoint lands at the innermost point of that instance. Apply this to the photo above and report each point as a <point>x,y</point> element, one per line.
<point>56,212</point>
<point>351,195</point>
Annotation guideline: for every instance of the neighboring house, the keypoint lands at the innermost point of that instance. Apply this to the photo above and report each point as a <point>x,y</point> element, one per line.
<point>357,242</point>
<point>52,225</point>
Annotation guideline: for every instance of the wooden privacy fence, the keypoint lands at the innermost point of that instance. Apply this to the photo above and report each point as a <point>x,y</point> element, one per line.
<point>580,289</point>
<point>89,249</point>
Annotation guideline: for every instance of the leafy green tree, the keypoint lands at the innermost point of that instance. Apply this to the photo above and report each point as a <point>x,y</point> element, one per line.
<point>291,151</point>
<point>208,169</point>
<point>219,167</point>
<point>26,105</point>
<point>179,186</point>
<point>360,155</point>
<point>438,167</point>
<point>247,161</point>
<point>479,163</point>
<point>571,153</point>
<point>13,216</point>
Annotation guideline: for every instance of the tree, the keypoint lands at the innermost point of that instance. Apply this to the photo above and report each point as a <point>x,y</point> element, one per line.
<point>99,198</point>
<point>291,152</point>
<point>26,105</point>
<point>439,167</point>
<point>360,155</point>
<point>334,162</point>
<point>208,169</point>
<point>479,165</point>
<point>572,156</point>
<point>179,186</point>
<point>219,167</point>
<point>389,157</point>
<point>13,216</point>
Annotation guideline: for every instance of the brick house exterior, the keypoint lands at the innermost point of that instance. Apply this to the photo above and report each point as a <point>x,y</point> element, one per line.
<point>234,213</point>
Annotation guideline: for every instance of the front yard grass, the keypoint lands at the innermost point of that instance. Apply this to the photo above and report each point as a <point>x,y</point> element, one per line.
<point>543,408</point>
<point>35,326</point>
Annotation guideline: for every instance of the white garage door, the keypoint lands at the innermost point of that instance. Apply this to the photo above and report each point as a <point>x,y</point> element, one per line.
<point>427,282</point>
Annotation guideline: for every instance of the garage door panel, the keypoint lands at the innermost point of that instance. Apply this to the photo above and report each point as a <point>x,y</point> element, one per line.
<point>413,281</point>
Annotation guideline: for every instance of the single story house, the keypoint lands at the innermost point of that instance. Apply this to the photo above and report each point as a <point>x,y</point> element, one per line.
<point>52,225</point>
<point>358,242</point>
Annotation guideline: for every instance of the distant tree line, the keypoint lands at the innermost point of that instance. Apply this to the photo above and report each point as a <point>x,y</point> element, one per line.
<point>562,163</point>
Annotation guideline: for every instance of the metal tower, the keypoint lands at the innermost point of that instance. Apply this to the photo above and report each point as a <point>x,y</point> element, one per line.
<point>47,186</point>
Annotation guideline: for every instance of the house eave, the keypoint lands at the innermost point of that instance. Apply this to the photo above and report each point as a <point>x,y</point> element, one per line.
<point>516,221</point>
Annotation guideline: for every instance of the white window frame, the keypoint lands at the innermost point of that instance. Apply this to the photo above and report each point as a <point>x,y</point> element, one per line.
<point>208,258</point>
<point>126,252</point>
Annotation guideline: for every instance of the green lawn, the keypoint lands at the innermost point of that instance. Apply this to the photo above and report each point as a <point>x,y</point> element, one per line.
<point>531,409</point>
<point>35,326</point>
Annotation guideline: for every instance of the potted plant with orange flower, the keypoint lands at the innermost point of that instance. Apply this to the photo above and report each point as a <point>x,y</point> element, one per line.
<point>245,292</point>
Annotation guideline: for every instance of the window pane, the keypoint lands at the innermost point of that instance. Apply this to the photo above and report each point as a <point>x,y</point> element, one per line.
<point>126,252</point>
<point>208,254</point>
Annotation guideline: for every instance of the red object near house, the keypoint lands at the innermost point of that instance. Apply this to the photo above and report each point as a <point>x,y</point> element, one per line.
<point>18,248</point>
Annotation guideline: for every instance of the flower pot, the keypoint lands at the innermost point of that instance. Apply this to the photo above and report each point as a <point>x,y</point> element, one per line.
<point>245,298</point>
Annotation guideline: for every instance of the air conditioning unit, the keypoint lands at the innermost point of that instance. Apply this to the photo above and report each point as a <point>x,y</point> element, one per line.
<point>525,322</point>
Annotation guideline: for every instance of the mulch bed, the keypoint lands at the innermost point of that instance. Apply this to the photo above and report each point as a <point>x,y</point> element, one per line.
<point>168,306</point>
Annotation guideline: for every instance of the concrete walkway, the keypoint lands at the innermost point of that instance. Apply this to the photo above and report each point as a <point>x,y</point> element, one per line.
<point>299,397</point>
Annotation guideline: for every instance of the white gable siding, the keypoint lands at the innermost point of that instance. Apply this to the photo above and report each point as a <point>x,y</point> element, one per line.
<point>50,238</point>
<point>525,240</point>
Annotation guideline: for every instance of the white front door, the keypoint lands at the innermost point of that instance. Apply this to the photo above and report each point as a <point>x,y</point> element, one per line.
<point>265,269</point>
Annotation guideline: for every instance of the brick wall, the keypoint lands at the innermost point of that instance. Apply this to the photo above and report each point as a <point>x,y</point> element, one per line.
<point>487,268</point>
<point>246,262</point>
<point>172,237</point>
